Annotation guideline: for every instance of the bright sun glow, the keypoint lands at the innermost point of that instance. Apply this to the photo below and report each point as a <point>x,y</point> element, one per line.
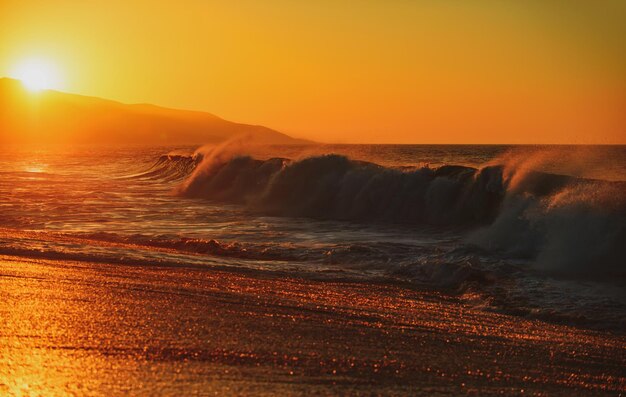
<point>38,74</point>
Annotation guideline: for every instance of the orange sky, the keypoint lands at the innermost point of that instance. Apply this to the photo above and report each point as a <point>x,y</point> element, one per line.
<point>390,71</point>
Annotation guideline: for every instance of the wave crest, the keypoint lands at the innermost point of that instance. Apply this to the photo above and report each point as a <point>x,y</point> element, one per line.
<point>335,187</point>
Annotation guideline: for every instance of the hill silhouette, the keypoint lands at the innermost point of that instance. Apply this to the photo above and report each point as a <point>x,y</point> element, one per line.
<point>50,116</point>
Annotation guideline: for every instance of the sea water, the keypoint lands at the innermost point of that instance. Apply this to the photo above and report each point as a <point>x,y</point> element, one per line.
<point>536,231</point>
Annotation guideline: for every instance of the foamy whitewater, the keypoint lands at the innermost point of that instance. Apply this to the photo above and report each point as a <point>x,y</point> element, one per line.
<point>531,231</point>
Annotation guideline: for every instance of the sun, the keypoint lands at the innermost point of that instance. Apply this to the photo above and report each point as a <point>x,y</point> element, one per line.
<point>38,74</point>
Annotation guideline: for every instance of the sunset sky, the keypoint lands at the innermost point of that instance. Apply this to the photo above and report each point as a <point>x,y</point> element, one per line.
<point>345,71</point>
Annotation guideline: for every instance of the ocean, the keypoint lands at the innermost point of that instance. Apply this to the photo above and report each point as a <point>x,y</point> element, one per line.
<point>532,231</point>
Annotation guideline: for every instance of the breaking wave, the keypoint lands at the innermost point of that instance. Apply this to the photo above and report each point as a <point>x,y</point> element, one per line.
<point>566,225</point>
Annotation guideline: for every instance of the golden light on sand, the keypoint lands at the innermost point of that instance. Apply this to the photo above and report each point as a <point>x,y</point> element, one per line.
<point>38,74</point>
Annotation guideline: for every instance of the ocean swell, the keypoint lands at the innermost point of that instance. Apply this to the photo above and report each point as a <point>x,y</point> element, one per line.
<point>170,168</point>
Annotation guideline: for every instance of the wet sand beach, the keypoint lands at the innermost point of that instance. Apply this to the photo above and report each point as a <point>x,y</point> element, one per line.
<point>84,328</point>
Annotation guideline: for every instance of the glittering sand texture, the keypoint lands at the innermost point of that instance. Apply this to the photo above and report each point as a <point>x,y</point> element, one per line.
<point>82,328</point>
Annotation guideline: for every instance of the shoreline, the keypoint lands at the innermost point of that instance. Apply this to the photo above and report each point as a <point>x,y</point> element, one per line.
<point>94,328</point>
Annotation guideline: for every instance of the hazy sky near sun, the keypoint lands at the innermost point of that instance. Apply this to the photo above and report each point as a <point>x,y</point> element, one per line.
<point>446,71</point>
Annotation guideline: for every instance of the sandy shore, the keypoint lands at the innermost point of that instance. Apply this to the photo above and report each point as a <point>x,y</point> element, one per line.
<point>98,329</point>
